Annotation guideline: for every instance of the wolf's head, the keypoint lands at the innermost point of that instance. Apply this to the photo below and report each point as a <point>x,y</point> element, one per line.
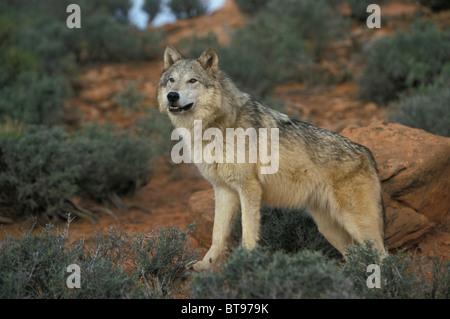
<point>189,87</point>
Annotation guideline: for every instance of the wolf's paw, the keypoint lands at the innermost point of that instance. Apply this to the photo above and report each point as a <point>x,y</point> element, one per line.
<point>200,266</point>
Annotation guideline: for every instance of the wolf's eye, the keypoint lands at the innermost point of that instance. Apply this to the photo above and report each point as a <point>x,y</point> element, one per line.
<point>192,81</point>
<point>171,80</point>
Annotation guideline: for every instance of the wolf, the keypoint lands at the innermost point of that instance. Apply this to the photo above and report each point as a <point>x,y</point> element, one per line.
<point>335,178</point>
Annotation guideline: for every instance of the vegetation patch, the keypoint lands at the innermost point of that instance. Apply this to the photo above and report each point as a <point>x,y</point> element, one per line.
<point>42,168</point>
<point>405,61</point>
<point>426,108</point>
<point>111,265</point>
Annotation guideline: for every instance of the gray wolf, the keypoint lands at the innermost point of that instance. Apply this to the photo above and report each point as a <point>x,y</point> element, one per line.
<point>333,177</point>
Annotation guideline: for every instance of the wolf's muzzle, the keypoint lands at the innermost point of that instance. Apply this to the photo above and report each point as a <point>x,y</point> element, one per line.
<point>173,98</point>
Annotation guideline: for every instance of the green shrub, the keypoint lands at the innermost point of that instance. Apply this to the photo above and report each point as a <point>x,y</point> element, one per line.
<point>112,265</point>
<point>260,58</point>
<point>105,32</point>
<point>17,60</point>
<point>101,38</point>
<point>155,127</point>
<point>102,259</point>
<point>111,162</point>
<point>314,21</point>
<point>288,231</point>
<point>427,109</point>
<point>270,59</point>
<point>41,168</point>
<point>401,276</point>
<point>306,274</point>
<point>404,61</point>
<point>162,259</point>
<point>47,41</point>
<point>33,266</point>
<point>129,98</point>
<point>32,82</point>
<point>259,274</point>
<point>36,173</point>
<point>186,9</point>
<point>34,99</point>
<point>40,53</point>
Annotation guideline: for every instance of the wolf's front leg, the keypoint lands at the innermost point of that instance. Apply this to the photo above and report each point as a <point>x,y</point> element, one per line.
<point>227,204</point>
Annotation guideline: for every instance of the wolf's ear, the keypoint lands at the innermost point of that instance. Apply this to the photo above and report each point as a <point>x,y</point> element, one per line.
<point>209,60</point>
<point>171,55</point>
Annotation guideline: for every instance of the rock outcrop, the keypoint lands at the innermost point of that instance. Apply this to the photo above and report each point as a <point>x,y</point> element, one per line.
<point>414,167</point>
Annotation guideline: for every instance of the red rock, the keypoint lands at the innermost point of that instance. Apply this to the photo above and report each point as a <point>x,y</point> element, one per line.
<point>201,212</point>
<point>414,167</point>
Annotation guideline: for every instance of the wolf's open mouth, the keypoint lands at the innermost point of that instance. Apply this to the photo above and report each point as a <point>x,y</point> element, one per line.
<point>176,109</point>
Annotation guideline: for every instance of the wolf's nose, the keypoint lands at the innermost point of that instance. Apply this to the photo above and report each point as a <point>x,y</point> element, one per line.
<point>173,97</point>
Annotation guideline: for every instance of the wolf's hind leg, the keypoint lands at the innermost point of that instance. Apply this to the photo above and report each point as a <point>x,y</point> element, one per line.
<point>332,230</point>
<point>365,228</point>
<point>360,212</point>
<point>250,196</point>
<point>226,206</point>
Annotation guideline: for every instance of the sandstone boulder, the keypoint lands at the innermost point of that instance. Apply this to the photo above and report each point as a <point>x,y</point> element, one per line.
<point>201,212</point>
<point>414,169</point>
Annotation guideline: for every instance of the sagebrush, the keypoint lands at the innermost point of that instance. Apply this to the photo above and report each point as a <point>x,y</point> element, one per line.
<point>425,108</point>
<point>37,173</point>
<point>42,168</point>
<point>113,264</point>
<point>402,276</point>
<point>261,275</point>
<point>404,61</point>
